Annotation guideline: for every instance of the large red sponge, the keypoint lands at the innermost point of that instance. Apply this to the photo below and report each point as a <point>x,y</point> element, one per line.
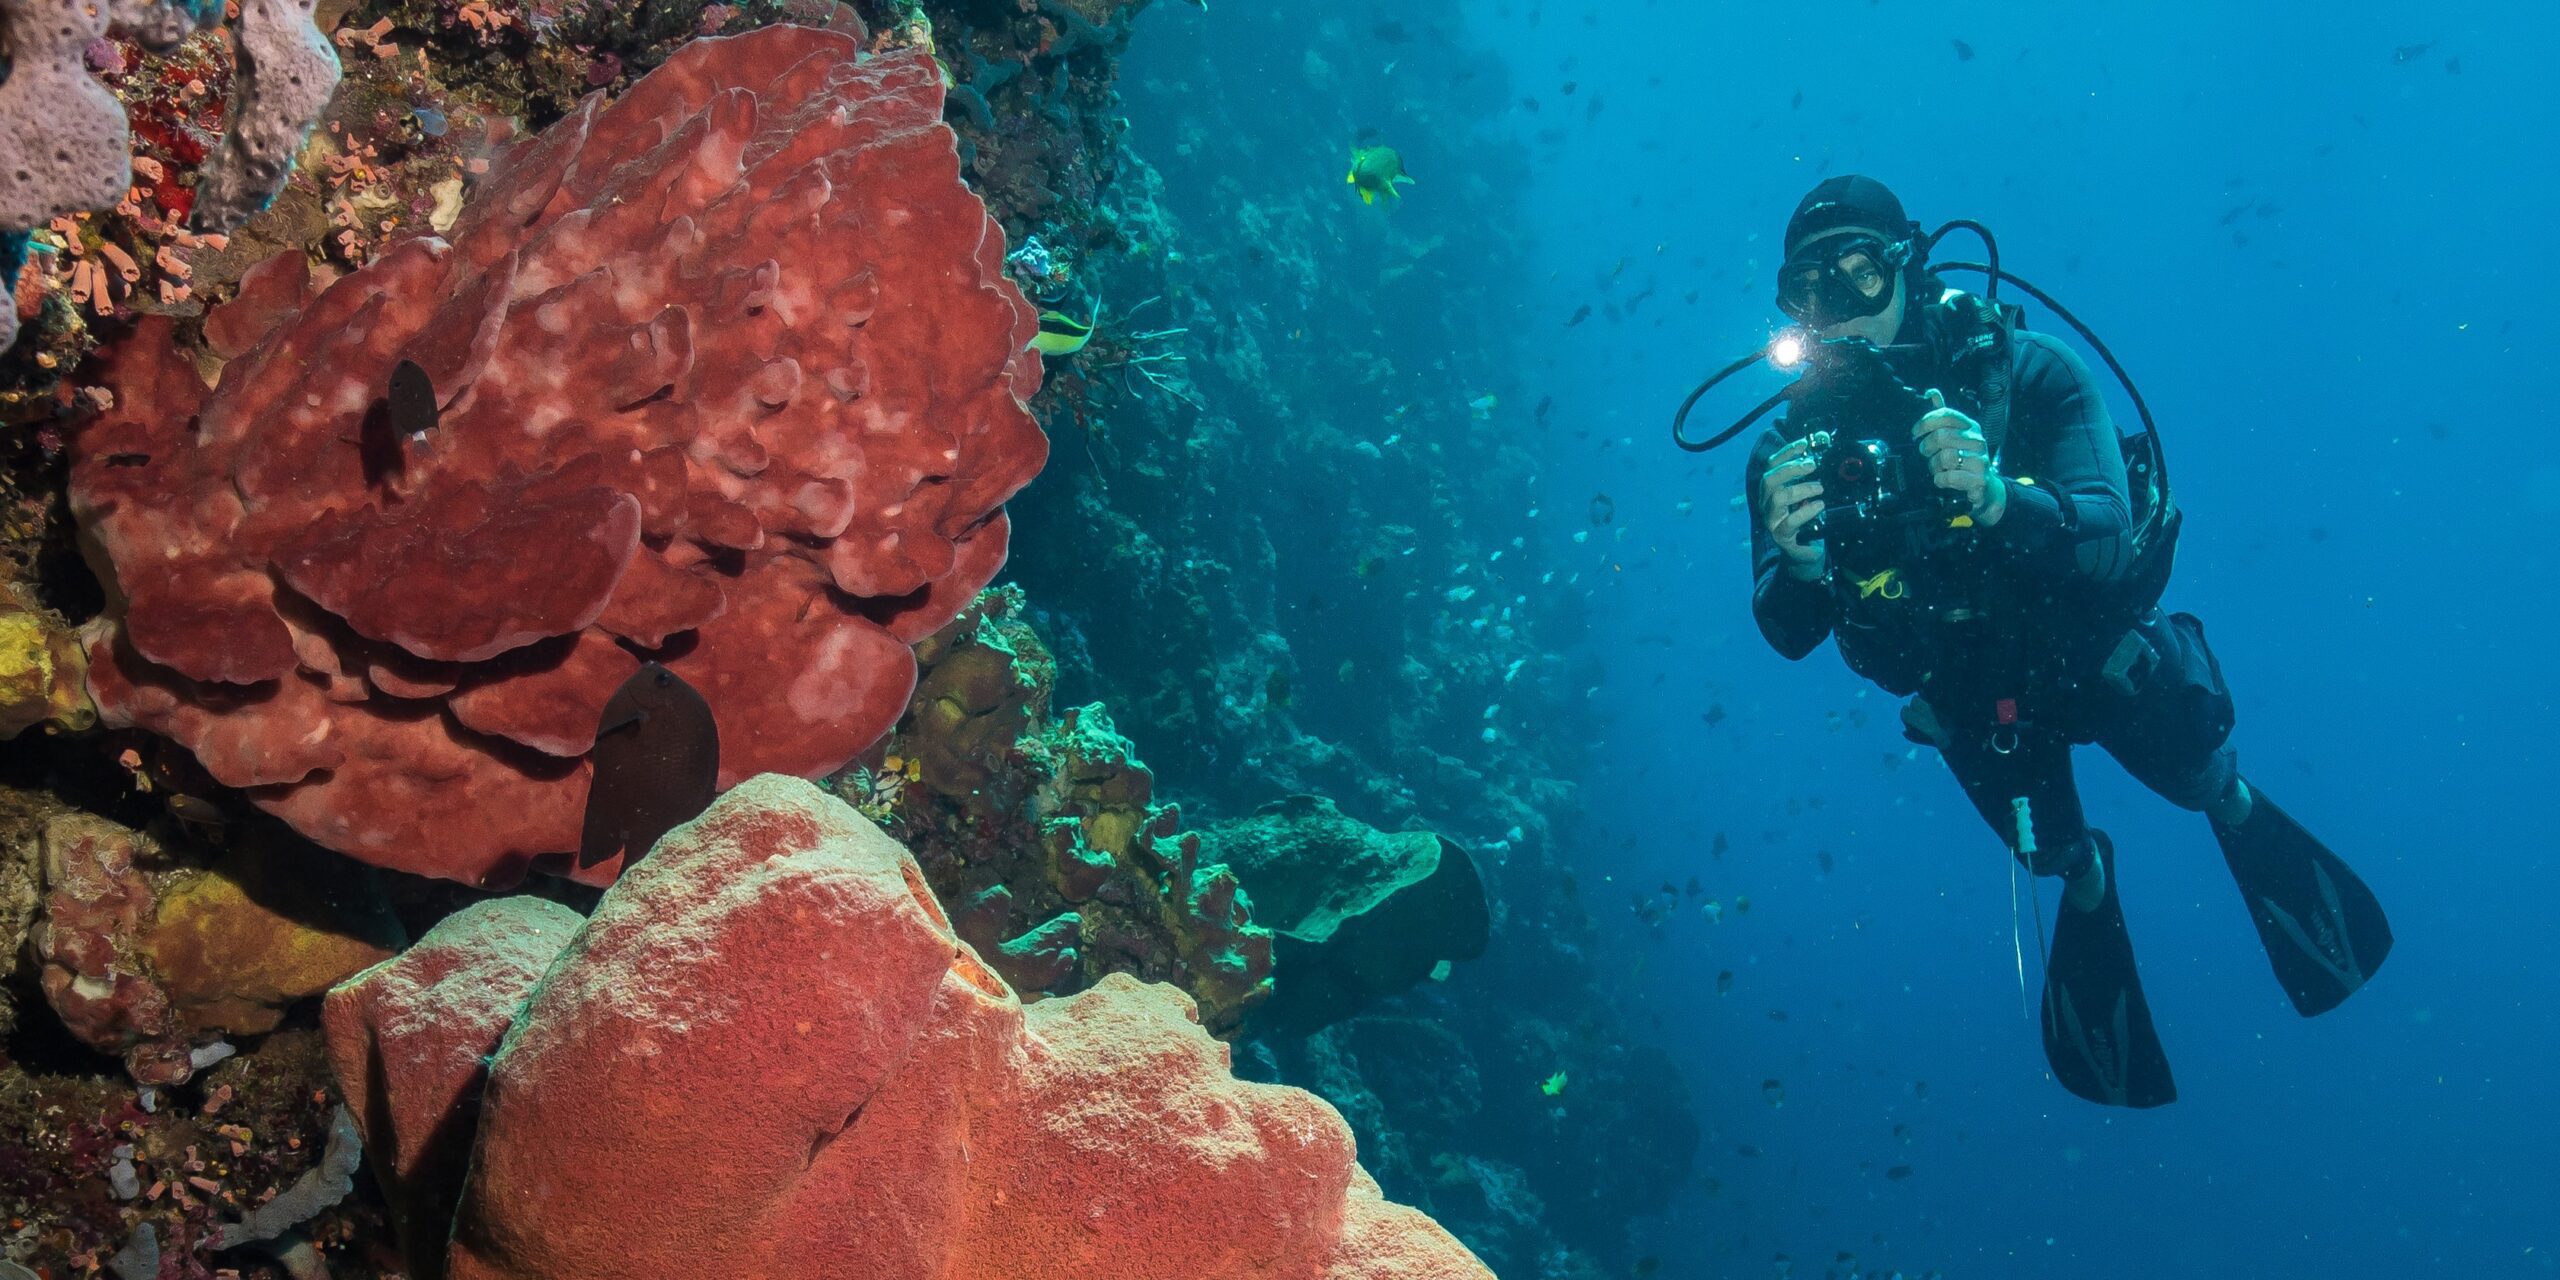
<point>729,376</point>
<point>766,1055</point>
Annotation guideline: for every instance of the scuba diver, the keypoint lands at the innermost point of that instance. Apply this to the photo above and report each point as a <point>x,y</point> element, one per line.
<point>1991,548</point>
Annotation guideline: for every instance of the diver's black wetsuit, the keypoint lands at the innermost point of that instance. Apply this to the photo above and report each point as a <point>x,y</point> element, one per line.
<point>2008,647</point>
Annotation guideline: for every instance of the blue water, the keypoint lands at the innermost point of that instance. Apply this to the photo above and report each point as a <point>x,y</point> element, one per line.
<point>2353,409</point>
<point>2319,239</point>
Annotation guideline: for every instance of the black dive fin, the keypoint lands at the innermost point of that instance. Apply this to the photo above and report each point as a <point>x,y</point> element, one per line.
<point>2323,929</point>
<point>2097,1027</point>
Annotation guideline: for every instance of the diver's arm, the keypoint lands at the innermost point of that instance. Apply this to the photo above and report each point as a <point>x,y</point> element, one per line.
<point>1794,614</point>
<point>2067,514</point>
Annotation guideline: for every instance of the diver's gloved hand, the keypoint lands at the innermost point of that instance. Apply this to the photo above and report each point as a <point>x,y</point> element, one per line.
<point>1789,502</point>
<point>1960,459</point>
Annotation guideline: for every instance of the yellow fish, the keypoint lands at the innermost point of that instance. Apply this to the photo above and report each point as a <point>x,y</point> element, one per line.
<point>1553,1084</point>
<point>1062,334</point>
<point>1377,171</point>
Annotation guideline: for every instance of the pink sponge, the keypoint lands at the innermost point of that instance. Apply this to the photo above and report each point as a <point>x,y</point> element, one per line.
<point>727,374</point>
<point>766,1055</point>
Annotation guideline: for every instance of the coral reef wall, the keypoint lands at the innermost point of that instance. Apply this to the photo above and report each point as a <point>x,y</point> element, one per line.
<point>1277,538</point>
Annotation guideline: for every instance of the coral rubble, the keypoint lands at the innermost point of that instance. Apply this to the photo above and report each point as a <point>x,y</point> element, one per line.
<point>727,373</point>
<point>907,1115</point>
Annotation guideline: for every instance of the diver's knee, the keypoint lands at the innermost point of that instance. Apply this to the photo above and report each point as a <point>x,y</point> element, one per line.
<point>2202,786</point>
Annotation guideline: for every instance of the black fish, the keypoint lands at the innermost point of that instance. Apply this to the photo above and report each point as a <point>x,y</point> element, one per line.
<point>1603,508</point>
<point>657,764</point>
<point>2411,52</point>
<point>1964,52</point>
<point>407,411</point>
<point>412,397</point>
<point>1580,314</point>
<point>1898,1172</point>
<point>1545,404</point>
<point>1391,32</point>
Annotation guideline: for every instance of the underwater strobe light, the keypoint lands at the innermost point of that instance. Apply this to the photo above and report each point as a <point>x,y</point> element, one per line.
<point>1787,350</point>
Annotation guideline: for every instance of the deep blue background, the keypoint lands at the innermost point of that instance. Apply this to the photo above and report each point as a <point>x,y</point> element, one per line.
<point>2334,271</point>
<point>2356,410</point>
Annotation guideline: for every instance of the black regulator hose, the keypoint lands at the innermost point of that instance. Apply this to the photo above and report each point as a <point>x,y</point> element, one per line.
<point>2160,459</point>
<point>1680,420</point>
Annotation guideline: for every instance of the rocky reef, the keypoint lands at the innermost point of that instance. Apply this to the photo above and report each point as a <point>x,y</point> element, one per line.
<point>1041,829</point>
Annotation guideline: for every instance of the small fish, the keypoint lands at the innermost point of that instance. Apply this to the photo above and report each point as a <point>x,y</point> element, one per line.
<point>192,809</point>
<point>407,413</point>
<point>1724,982</point>
<point>1603,508</point>
<point>1823,857</point>
<point>1062,334</point>
<point>1552,1085</point>
<point>1777,1015</point>
<point>1713,715</point>
<point>1580,314</point>
<point>1742,905</point>
<point>1484,405</point>
<point>1694,887</point>
<point>1898,1172</point>
<point>1275,689</point>
<point>1391,32</point>
<point>657,765</point>
<point>1723,842</point>
<point>411,397</point>
<point>1712,910</point>
<point>2409,53</point>
<point>1377,170</point>
<point>1775,1092</point>
<point>1748,1152</point>
<point>1648,1265</point>
<point>1964,52</point>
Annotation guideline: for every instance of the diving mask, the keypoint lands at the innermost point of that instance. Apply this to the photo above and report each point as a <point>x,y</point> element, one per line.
<point>1840,277</point>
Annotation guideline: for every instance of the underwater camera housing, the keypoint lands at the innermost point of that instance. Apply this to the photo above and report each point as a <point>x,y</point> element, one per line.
<point>1878,503</point>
